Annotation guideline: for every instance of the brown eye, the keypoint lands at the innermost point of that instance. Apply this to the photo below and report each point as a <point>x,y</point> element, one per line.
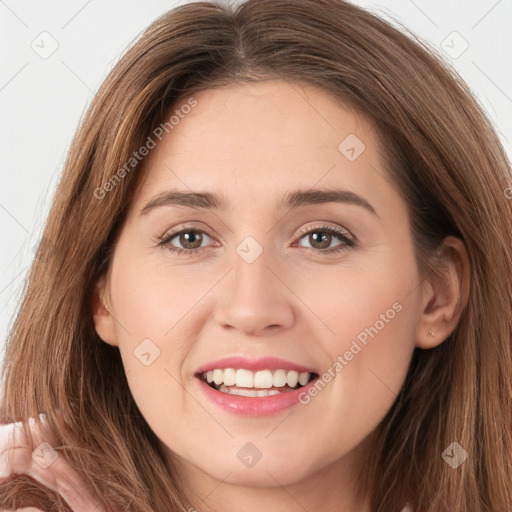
<point>320,239</point>
<point>189,239</point>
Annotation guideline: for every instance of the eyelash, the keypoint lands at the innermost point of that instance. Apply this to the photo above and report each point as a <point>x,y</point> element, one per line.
<point>165,240</point>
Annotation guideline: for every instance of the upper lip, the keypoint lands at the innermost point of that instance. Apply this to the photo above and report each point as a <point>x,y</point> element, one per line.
<point>263,363</point>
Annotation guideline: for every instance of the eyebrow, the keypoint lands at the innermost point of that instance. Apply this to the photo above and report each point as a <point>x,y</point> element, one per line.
<point>292,200</point>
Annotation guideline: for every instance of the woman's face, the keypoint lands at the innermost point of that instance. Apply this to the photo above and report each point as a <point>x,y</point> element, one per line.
<point>262,275</point>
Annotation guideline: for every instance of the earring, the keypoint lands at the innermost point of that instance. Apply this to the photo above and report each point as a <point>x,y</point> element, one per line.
<point>431,332</point>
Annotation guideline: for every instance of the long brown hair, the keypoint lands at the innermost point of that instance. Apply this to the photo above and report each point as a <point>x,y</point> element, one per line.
<point>441,152</point>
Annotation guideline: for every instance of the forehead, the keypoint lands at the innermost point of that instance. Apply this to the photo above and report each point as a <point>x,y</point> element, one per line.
<point>251,139</point>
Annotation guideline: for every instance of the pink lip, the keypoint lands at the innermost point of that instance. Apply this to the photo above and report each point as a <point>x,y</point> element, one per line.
<point>264,363</point>
<point>254,406</point>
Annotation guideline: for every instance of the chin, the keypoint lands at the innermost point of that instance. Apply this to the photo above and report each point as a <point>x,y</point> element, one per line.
<point>269,475</point>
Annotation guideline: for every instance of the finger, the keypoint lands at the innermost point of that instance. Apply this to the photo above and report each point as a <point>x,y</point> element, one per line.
<point>29,509</point>
<point>45,465</point>
<point>24,509</point>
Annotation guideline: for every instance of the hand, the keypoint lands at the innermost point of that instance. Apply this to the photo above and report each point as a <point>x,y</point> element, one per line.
<point>51,470</point>
<point>24,509</point>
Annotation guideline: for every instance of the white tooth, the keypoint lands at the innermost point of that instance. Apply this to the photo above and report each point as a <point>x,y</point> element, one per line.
<point>303,378</point>
<point>292,378</point>
<point>248,392</point>
<point>244,378</point>
<point>279,378</point>
<point>229,376</point>
<point>218,376</point>
<point>263,379</point>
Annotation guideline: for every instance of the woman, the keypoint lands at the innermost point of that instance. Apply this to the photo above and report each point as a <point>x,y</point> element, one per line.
<point>369,369</point>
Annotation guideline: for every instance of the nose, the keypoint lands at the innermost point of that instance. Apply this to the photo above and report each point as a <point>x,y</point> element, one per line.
<point>255,298</point>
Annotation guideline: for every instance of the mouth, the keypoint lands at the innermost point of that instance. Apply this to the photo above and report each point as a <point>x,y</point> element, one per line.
<point>262,383</point>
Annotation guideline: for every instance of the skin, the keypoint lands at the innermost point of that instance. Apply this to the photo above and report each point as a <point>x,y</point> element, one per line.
<point>43,465</point>
<point>253,144</point>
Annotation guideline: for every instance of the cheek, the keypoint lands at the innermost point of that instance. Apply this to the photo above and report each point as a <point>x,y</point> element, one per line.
<point>369,323</point>
<point>372,323</point>
<point>367,351</point>
<point>151,314</point>
<point>153,300</point>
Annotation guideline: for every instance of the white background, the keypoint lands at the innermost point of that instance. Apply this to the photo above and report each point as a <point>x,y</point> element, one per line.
<point>42,100</point>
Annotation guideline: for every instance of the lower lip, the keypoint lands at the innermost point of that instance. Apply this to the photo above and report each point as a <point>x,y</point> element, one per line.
<point>254,406</point>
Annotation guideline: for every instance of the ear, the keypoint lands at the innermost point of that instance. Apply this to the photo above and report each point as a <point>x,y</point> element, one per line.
<point>102,316</point>
<point>445,295</point>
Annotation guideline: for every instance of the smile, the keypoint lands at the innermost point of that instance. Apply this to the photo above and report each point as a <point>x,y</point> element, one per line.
<point>250,400</point>
<point>262,383</point>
